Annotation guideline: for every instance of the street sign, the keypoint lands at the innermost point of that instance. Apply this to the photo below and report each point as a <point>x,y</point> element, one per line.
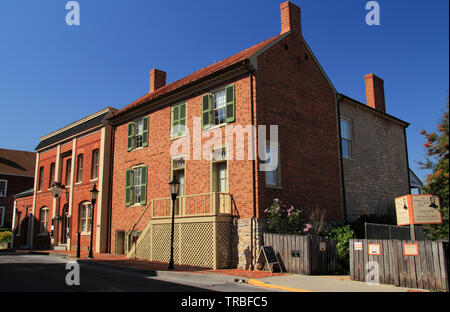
<point>418,209</point>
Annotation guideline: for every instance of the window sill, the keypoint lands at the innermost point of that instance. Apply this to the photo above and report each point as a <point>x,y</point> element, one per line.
<point>216,126</point>
<point>93,180</point>
<point>136,149</point>
<point>348,158</point>
<point>274,187</point>
<point>135,205</point>
<point>177,137</point>
<point>85,234</point>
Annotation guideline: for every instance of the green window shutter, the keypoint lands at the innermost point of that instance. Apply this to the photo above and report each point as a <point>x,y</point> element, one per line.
<point>128,187</point>
<point>182,119</point>
<point>206,110</point>
<point>145,131</point>
<point>175,120</point>
<point>143,185</point>
<point>130,140</point>
<point>229,93</point>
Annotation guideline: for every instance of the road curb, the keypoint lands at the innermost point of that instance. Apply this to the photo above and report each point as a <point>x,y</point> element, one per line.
<point>166,274</point>
<point>258,283</point>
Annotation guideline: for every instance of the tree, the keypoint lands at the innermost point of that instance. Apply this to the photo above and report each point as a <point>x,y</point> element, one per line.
<point>437,182</point>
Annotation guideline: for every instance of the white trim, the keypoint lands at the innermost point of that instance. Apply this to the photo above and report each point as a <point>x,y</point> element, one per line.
<point>6,187</point>
<point>76,123</point>
<point>31,228</point>
<point>100,188</point>
<point>2,219</point>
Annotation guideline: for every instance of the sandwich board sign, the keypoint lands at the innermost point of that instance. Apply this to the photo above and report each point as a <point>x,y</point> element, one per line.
<point>418,209</point>
<point>269,256</point>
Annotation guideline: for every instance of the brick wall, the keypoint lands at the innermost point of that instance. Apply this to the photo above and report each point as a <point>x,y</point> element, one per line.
<point>158,160</point>
<point>15,185</point>
<point>378,169</point>
<point>294,94</point>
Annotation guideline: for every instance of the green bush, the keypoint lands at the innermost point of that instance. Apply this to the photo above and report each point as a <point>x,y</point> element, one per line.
<point>5,237</point>
<point>342,236</point>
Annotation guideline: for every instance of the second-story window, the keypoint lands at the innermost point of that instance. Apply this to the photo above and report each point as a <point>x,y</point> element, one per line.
<point>68,171</point>
<point>137,135</point>
<point>40,178</point>
<point>95,162</point>
<point>3,185</point>
<point>79,167</point>
<point>346,138</point>
<point>52,175</point>
<point>178,127</point>
<point>218,107</point>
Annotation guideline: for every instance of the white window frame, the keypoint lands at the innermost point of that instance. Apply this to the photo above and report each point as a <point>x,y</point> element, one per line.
<point>278,183</point>
<point>222,109</point>
<point>2,215</point>
<point>43,231</point>
<point>6,188</point>
<point>136,186</point>
<point>138,133</point>
<point>349,140</point>
<point>88,219</point>
<point>95,165</point>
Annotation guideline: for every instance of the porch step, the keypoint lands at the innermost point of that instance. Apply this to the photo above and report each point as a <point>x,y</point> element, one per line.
<point>59,247</point>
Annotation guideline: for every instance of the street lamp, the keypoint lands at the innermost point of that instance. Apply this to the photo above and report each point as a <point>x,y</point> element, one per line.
<point>94,193</point>
<point>174,185</point>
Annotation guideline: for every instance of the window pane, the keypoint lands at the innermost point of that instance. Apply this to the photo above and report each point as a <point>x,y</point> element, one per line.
<point>271,177</point>
<point>346,148</point>
<point>345,129</point>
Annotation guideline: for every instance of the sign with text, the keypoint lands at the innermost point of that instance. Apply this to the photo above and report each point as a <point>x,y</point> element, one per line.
<point>374,249</point>
<point>358,246</point>
<point>411,249</point>
<point>418,209</point>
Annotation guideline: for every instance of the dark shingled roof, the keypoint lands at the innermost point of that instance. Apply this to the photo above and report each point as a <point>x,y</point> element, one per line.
<point>88,124</point>
<point>24,193</point>
<point>19,163</point>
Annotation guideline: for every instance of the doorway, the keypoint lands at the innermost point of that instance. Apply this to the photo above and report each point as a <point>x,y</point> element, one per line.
<point>120,242</point>
<point>65,224</point>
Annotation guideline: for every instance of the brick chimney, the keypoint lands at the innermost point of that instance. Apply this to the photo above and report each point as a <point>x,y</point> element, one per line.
<point>157,79</point>
<point>375,92</point>
<point>290,19</point>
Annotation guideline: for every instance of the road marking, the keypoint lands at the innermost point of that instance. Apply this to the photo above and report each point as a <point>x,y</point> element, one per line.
<point>268,285</point>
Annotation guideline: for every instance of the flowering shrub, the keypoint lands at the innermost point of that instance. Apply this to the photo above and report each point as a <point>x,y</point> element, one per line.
<point>284,220</point>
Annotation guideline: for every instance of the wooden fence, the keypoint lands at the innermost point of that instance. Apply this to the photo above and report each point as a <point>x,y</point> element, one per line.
<point>303,254</point>
<point>412,264</point>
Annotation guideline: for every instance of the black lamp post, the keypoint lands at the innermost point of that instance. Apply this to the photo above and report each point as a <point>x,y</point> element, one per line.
<point>174,185</point>
<point>94,193</point>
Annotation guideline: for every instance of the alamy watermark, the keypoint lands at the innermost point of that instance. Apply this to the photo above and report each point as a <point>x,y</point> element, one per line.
<point>202,144</point>
<point>373,16</point>
<point>373,274</point>
<point>73,276</point>
<point>73,16</point>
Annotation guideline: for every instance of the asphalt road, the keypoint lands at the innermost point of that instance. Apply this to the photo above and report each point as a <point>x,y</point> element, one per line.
<point>43,273</point>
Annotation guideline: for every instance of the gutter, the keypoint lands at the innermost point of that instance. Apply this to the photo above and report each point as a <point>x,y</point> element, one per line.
<point>340,98</point>
<point>253,221</point>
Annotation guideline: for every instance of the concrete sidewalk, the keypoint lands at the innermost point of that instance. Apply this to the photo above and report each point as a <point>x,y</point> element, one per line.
<point>306,283</point>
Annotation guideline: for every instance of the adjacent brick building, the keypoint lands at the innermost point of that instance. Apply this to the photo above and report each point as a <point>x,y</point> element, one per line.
<point>77,156</point>
<point>16,175</point>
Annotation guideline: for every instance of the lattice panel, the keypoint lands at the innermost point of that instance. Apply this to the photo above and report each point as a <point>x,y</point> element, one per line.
<point>193,244</point>
<point>223,245</point>
<point>143,246</point>
<point>160,242</point>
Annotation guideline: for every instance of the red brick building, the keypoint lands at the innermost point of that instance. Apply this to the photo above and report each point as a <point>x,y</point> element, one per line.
<point>77,156</point>
<point>16,175</point>
<point>208,129</point>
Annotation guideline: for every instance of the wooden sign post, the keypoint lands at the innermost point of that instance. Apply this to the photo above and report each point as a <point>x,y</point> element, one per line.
<point>269,257</point>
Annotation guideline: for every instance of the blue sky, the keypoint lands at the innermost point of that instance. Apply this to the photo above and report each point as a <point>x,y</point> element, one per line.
<point>52,74</point>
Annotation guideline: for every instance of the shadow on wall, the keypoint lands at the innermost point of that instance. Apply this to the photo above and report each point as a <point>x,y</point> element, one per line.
<point>22,237</point>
